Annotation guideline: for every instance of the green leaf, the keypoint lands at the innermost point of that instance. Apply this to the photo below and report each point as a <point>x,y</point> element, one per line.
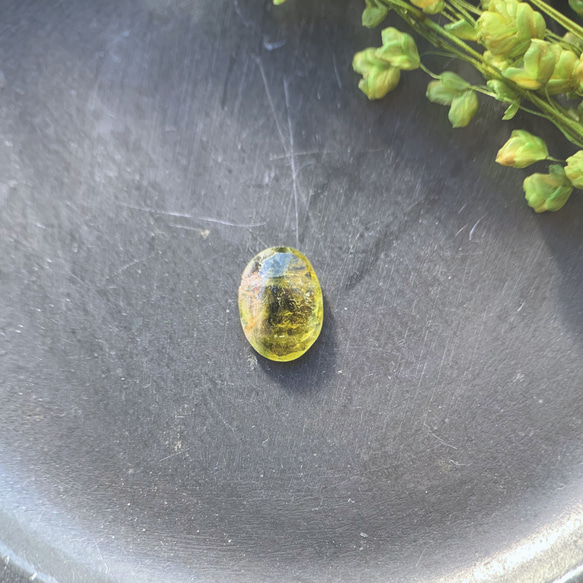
<point>462,29</point>
<point>502,91</point>
<point>511,111</point>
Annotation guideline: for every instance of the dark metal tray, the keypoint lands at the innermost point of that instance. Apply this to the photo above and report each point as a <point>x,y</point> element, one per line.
<point>149,148</point>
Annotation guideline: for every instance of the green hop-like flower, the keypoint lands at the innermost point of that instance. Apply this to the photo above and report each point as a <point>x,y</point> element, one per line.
<point>450,89</point>
<point>576,6</point>
<point>563,79</point>
<point>429,6</point>
<point>374,13</point>
<point>506,27</point>
<point>538,65</point>
<point>522,150</point>
<point>446,88</point>
<point>399,50</point>
<point>378,76</point>
<point>574,169</point>
<point>547,192</point>
<point>578,76</point>
<point>574,41</point>
<point>463,108</point>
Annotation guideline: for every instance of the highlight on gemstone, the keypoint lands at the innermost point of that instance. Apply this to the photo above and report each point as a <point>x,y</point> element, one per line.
<point>280,303</point>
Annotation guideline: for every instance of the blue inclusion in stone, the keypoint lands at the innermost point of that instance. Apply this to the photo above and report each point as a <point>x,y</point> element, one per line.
<point>277,265</point>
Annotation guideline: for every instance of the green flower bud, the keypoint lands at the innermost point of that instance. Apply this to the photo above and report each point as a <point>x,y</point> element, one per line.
<point>399,50</point>
<point>574,41</point>
<point>444,90</point>
<point>538,64</point>
<point>529,23</point>
<point>574,169</point>
<point>522,150</point>
<point>576,6</point>
<point>578,76</point>
<point>507,27</point>
<point>278,2</point>
<point>437,93</point>
<point>496,32</point>
<point>547,192</point>
<point>429,6</point>
<point>374,13</point>
<point>378,77</point>
<point>463,108</point>
<point>563,78</point>
<point>462,29</point>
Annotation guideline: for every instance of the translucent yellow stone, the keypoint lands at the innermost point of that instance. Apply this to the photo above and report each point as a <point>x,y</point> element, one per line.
<point>280,303</point>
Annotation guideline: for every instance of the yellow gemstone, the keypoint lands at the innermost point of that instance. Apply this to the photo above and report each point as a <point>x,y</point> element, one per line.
<point>280,303</point>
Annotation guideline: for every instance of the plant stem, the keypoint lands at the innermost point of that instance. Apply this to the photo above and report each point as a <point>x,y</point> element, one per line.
<point>571,129</point>
<point>461,7</point>
<point>559,17</point>
<point>467,6</point>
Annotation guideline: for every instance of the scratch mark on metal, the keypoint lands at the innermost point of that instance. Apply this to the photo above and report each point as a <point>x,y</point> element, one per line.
<point>270,100</point>
<point>246,23</point>
<point>272,46</point>
<point>299,154</point>
<point>240,92</point>
<point>187,216</point>
<point>336,71</point>
<point>130,264</point>
<point>222,419</point>
<point>474,227</point>
<point>229,224</point>
<point>439,438</point>
<point>175,454</point>
<point>155,211</point>
<point>293,161</point>
<point>204,233</point>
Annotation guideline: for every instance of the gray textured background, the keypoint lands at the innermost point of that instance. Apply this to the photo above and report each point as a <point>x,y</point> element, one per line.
<point>150,148</point>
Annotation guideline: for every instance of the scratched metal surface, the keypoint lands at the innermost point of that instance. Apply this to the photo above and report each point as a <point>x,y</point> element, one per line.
<point>149,148</point>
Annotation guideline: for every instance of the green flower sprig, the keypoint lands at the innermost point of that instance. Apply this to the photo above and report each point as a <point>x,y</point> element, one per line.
<point>525,65</point>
